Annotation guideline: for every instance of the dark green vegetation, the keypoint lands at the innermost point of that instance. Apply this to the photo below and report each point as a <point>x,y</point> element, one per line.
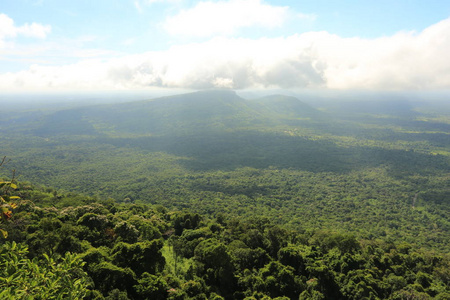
<point>97,249</point>
<point>378,169</point>
<point>264,198</point>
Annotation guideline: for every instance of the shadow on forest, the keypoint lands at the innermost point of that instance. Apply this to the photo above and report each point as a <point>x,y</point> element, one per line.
<point>228,151</point>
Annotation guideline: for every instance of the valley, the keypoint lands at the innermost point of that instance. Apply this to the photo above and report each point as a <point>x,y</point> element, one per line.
<point>214,152</point>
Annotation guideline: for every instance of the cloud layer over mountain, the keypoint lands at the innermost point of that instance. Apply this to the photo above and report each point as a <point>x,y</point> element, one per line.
<point>406,60</point>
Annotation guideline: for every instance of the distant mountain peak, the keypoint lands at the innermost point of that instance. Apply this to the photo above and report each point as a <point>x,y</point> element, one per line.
<point>203,96</point>
<point>217,92</point>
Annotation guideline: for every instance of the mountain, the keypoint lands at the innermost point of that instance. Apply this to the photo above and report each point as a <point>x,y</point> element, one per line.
<point>218,129</point>
<point>215,152</point>
<point>181,114</point>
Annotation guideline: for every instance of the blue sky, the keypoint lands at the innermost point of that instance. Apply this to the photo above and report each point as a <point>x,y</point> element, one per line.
<point>144,44</point>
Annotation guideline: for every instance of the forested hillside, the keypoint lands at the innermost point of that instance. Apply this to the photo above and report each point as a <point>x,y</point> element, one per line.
<point>213,196</point>
<point>88,248</point>
<point>377,170</point>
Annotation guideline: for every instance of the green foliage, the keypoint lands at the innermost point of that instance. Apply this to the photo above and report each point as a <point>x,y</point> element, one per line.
<point>107,276</point>
<point>6,204</point>
<point>374,176</point>
<point>343,242</point>
<point>126,232</point>
<point>236,261</point>
<point>213,263</point>
<point>49,278</point>
<point>152,287</point>
<point>266,199</point>
<point>246,258</point>
<point>140,257</point>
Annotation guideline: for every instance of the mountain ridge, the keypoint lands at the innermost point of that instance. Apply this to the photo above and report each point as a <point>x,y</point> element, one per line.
<point>198,111</point>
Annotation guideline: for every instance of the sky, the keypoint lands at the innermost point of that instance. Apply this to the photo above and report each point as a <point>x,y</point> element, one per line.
<point>107,45</point>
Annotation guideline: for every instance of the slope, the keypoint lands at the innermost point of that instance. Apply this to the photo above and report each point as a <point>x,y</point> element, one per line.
<point>192,113</point>
<point>216,152</point>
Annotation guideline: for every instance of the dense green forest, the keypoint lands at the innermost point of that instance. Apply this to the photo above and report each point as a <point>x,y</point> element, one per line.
<point>210,195</point>
<point>101,249</point>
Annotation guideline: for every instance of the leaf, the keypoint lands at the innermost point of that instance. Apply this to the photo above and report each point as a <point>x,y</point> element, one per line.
<point>4,233</point>
<point>14,197</point>
<point>7,214</point>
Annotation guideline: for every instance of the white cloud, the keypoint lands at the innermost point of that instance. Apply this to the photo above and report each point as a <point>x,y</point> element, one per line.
<point>225,17</point>
<point>406,60</point>
<point>34,30</point>
<point>9,30</point>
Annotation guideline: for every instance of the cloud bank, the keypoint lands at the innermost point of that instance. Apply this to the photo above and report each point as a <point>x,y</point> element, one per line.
<point>404,61</point>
